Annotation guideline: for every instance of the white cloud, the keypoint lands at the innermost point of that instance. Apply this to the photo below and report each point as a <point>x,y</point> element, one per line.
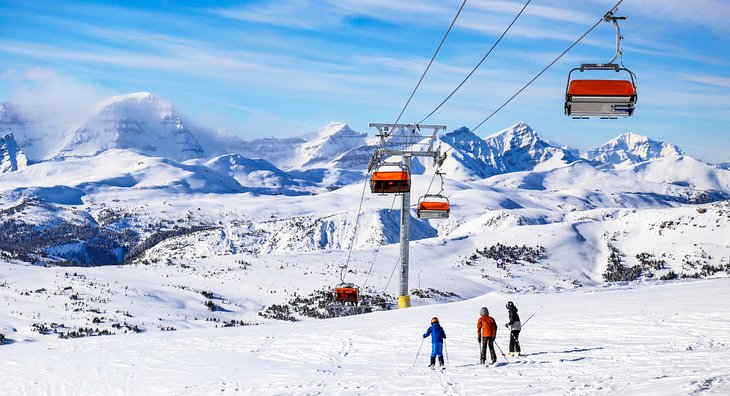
<point>714,81</point>
<point>47,95</point>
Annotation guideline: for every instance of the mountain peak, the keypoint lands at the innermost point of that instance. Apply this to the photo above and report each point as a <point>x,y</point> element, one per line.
<point>11,157</point>
<point>334,128</point>
<point>631,148</point>
<point>137,121</point>
<point>130,97</point>
<point>330,142</point>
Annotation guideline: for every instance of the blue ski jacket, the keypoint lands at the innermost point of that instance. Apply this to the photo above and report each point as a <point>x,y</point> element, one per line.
<point>436,332</point>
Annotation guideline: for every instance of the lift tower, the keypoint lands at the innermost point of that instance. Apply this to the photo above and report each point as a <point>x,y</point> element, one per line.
<point>407,136</point>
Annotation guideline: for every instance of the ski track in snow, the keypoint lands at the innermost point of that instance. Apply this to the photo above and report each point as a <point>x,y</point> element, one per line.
<point>665,339</point>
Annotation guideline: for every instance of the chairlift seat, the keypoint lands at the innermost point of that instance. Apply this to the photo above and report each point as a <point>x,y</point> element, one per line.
<point>433,209</point>
<point>601,88</point>
<point>346,293</point>
<point>600,98</point>
<point>390,182</point>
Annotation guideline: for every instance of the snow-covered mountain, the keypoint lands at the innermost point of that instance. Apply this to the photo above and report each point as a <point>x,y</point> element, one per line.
<point>630,148</point>
<point>329,143</point>
<point>138,121</point>
<point>11,156</point>
<point>517,148</point>
<point>320,149</point>
<point>260,175</point>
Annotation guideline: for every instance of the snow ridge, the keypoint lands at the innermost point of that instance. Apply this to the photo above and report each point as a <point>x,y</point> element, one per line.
<point>631,148</point>
<point>514,149</point>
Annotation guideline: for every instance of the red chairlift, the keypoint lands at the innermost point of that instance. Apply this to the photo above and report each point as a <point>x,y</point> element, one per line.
<point>601,97</point>
<point>347,293</point>
<point>433,206</point>
<point>391,178</point>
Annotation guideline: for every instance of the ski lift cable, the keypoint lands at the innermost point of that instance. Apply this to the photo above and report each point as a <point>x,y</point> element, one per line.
<point>478,64</point>
<point>377,250</point>
<point>354,232</point>
<point>612,10</point>
<point>430,62</point>
<point>453,22</point>
<point>385,289</point>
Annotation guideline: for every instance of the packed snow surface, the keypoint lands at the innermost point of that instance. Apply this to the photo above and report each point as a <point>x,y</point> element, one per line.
<point>664,339</point>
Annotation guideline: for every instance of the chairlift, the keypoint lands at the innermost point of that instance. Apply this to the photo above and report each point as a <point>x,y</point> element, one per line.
<point>347,293</point>
<point>433,206</point>
<point>604,98</point>
<point>391,178</point>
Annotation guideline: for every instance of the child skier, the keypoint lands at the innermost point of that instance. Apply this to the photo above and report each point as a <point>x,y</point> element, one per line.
<point>486,332</point>
<point>437,334</point>
<point>515,326</point>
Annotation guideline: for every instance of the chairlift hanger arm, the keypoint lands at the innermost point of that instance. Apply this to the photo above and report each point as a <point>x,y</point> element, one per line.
<point>614,19</point>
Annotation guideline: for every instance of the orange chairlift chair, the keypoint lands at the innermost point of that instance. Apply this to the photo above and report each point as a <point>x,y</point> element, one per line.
<point>391,178</point>
<point>602,98</point>
<point>433,206</point>
<point>347,293</point>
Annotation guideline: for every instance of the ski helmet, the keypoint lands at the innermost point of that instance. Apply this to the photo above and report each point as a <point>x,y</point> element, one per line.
<point>484,311</point>
<point>434,320</point>
<point>510,305</point>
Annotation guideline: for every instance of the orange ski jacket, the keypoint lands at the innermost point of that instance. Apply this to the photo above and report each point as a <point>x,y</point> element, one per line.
<point>486,326</point>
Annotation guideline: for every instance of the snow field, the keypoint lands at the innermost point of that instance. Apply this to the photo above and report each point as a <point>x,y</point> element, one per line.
<point>672,338</point>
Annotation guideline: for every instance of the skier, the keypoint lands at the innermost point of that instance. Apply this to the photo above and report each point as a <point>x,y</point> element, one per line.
<point>515,326</point>
<point>486,332</point>
<point>437,334</point>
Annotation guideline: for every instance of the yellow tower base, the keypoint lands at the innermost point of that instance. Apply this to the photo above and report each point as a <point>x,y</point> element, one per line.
<point>404,301</point>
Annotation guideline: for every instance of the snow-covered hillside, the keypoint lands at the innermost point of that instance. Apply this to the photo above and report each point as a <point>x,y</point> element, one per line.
<point>664,340</point>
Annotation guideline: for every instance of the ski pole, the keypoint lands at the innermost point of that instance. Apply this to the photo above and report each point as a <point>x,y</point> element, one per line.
<point>418,353</point>
<point>500,351</point>
<point>528,319</point>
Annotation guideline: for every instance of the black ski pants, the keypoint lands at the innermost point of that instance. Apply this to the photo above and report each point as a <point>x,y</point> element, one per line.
<point>514,343</point>
<point>488,341</point>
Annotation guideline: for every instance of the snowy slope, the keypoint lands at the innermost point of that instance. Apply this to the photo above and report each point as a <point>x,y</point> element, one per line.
<point>12,157</point>
<point>260,175</point>
<point>621,340</point>
<point>683,171</point>
<point>137,121</point>
<point>631,148</point>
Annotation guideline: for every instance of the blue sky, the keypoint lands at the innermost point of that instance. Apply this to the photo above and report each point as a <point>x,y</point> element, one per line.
<point>283,68</point>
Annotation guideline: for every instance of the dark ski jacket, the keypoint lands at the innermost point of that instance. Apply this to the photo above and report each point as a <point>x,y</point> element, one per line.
<point>436,332</point>
<point>514,319</point>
